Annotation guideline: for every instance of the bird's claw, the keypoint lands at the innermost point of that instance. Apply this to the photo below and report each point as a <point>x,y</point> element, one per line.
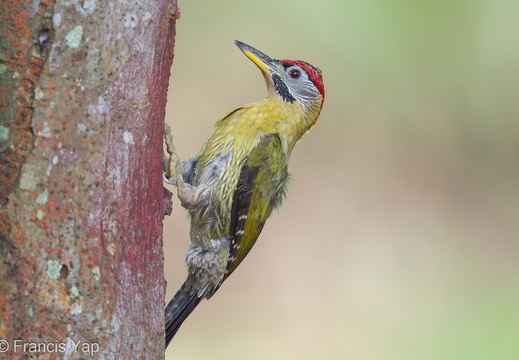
<point>168,180</point>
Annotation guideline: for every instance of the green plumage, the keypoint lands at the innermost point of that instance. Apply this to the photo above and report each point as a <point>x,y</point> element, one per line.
<point>240,175</point>
<point>260,188</point>
<point>248,138</point>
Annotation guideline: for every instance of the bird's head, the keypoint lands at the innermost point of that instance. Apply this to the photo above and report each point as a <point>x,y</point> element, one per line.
<point>292,80</point>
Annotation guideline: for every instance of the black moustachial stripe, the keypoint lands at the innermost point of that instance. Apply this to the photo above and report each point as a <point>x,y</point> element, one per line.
<point>282,89</point>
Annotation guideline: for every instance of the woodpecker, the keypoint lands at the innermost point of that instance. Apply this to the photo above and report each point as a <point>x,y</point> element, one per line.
<point>240,175</point>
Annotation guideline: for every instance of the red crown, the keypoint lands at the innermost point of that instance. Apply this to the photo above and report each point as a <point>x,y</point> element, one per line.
<point>313,72</point>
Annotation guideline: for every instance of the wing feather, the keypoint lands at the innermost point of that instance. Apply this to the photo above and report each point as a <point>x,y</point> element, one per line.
<point>260,188</point>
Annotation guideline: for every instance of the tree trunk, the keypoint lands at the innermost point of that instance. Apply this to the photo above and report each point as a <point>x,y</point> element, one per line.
<point>83,89</point>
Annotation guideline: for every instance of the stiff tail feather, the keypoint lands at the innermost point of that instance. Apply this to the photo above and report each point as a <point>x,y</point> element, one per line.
<point>180,307</point>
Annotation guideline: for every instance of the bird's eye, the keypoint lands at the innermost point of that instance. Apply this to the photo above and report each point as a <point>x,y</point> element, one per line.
<point>295,74</point>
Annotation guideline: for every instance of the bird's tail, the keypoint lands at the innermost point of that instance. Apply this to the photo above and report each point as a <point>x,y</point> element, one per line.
<point>181,306</point>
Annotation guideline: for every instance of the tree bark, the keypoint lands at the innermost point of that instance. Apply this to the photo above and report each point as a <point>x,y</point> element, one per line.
<point>83,88</point>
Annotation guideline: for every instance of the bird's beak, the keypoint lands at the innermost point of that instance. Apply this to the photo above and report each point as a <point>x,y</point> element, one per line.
<point>265,63</point>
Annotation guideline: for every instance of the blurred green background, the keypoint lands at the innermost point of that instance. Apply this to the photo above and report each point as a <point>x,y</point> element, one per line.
<point>399,238</point>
